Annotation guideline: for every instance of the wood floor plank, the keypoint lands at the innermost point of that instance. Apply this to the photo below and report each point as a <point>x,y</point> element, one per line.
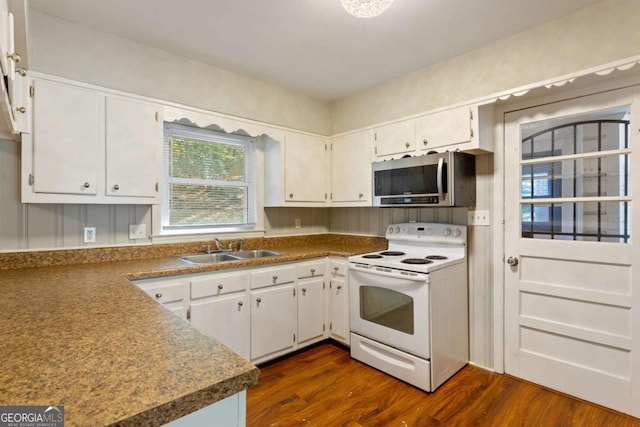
<point>323,386</point>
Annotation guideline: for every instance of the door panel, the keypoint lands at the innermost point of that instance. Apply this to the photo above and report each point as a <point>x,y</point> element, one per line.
<point>568,245</point>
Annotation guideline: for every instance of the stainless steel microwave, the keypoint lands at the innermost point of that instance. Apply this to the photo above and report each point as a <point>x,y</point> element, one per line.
<point>439,179</point>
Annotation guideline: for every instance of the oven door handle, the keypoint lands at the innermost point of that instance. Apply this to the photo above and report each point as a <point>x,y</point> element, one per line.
<point>362,269</point>
<point>440,179</point>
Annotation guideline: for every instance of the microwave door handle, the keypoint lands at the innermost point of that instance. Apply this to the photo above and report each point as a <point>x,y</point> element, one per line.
<point>440,178</point>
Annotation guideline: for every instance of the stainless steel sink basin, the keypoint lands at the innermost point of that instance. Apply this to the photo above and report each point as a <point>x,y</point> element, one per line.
<point>227,256</point>
<point>209,258</point>
<point>256,253</point>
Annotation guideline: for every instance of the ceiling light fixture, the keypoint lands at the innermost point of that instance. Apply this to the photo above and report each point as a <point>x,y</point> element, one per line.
<point>366,8</point>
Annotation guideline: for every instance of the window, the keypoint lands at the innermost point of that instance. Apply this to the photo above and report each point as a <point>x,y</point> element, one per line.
<point>210,180</point>
<point>575,179</point>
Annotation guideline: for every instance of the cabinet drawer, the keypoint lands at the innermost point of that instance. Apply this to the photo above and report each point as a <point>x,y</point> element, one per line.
<point>167,292</point>
<point>219,284</point>
<point>337,267</point>
<point>311,268</point>
<point>273,276</point>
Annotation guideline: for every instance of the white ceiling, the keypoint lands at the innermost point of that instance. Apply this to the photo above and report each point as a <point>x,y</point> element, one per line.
<point>312,46</point>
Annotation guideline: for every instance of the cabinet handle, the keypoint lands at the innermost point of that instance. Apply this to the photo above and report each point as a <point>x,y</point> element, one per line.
<point>360,195</point>
<point>258,300</point>
<point>339,287</point>
<point>86,185</point>
<point>21,71</point>
<point>313,271</point>
<point>158,295</point>
<point>425,141</point>
<point>14,56</point>
<point>336,269</point>
<point>116,187</point>
<point>275,279</point>
<point>21,110</point>
<point>291,195</point>
<point>304,291</point>
<point>407,144</point>
<point>240,303</point>
<point>220,286</point>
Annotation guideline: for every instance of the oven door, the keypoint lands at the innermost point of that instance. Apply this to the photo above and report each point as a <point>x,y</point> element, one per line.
<point>390,307</point>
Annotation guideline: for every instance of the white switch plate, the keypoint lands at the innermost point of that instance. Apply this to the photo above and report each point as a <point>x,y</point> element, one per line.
<point>89,235</point>
<point>137,231</point>
<point>298,222</point>
<point>478,218</point>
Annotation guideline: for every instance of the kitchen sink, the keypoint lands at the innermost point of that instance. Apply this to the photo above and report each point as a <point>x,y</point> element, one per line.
<point>216,257</point>
<point>256,253</point>
<point>208,258</point>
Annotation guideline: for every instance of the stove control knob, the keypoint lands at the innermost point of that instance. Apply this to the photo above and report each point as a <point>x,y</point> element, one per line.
<point>390,230</point>
<point>447,231</point>
<point>457,232</point>
<point>397,229</point>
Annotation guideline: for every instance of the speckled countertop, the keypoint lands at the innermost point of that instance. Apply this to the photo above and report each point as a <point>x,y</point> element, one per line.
<point>74,331</point>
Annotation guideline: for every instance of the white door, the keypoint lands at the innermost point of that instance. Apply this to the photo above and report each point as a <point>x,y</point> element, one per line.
<point>569,233</point>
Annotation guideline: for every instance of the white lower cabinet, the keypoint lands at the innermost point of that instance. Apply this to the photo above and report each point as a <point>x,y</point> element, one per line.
<point>265,312</point>
<point>273,322</point>
<point>219,308</point>
<point>338,301</point>
<point>229,412</point>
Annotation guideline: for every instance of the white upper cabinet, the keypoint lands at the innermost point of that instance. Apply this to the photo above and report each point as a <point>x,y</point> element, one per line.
<point>394,140</point>
<point>66,138</point>
<point>467,129</point>
<point>133,129</point>
<point>351,170</point>
<point>296,171</point>
<point>438,130</point>
<point>88,146</point>
<point>13,63</point>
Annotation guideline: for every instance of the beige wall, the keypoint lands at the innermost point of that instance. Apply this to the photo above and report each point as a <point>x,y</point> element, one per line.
<point>69,50</point>
<point>602,33</point>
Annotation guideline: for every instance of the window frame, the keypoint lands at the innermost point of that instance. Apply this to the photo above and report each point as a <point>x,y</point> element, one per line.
<point>251,172</point>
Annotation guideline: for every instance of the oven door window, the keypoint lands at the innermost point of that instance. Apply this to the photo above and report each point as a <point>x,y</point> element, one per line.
<point>387,307</point>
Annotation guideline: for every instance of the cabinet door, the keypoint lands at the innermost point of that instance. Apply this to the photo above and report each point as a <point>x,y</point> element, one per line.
<point>395,139</point>
<point>225,318</point>
<point>305,168</point>
<point>351,170</point>
<point>67,132</point>
<point>339,309</point>
<point>311,303</point>
<point>273,322</point>
<point>444,128</point>
<point>133,146</point>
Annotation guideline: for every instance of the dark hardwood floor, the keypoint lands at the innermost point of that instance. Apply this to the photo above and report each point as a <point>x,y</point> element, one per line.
<point>323,386</point>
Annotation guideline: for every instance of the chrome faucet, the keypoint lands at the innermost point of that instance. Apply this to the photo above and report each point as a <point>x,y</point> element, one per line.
<point>241,244</point>
<point>218,244</point>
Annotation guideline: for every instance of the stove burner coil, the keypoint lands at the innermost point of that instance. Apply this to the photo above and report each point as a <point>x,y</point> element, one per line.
<point>392,253</point>
<point>416,261</point>
<point>436,257</point>
<point>372,256</point>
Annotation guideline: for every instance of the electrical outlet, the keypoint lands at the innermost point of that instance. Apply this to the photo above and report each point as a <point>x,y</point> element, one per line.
<point>298,222</point>
<point>137,231</point>
<point>89,235</point>
<point>478,218</point>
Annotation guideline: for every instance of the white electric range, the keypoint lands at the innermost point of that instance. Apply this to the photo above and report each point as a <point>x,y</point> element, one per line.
<point>408,304</point>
